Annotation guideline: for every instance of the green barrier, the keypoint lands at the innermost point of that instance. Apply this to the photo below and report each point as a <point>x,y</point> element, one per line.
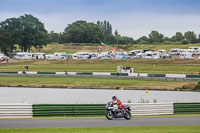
<point>10,72</point>
<point>45,110</point>
<point>46,72</point>
<point>192,76</point>
<point>156,75</point>
<point>187,108</point>
<point>84,73</point>
<point>119,74</point>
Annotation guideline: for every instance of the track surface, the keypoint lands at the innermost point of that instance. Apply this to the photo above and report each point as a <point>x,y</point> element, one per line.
<point>99,122</point>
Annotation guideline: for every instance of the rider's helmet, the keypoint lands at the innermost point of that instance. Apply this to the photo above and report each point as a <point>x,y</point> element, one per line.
<point>114,97</point>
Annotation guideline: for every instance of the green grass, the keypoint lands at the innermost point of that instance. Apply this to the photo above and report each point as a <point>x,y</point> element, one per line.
<point>89,82</point>
<point>137,129</point>
<point>70,48</point>
<point>73,48</point>
<point>100,117</point>
<point>96,117</point>
<point>141,66</point>
<point>157,47</point>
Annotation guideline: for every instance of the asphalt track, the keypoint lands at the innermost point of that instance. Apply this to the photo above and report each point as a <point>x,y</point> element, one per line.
<point>98,122</point>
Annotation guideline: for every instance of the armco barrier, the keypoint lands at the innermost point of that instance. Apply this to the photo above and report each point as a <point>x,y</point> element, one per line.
<point>187,108</point>
<point>46,72</point>
<point>144,76</point>
<point>156,75</point>
<point>9,72</point>
<point>192,76</point>
<point>175,75</point>
<point>84,73</point>
<point>42,110</point>
<point>62,110</point>
<point>16,110</point>
<point>151,108</point>
<point>119,74</point>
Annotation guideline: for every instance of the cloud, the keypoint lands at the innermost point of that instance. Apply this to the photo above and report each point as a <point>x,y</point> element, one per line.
<point>133,18</point>
<point>134,25</point>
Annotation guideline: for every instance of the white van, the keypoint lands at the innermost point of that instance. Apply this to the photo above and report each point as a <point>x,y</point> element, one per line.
<point>186,55</point>
<point>152,55</point>
<point>23,56</point>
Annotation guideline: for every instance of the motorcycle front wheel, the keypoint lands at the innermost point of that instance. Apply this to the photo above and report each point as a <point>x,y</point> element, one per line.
<point>109,115</point>
<point>127,115</point>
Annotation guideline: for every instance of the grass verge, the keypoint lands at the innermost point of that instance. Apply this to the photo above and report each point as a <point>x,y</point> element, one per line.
<point>140,66</point>
<point>70,82</point>
<point>100,117</point>
<point>137,129</point>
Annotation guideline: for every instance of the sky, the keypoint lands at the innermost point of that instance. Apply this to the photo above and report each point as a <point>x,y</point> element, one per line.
<point>134,18</point>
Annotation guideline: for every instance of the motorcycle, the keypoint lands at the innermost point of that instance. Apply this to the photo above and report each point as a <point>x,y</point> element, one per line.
<point>112,112</point>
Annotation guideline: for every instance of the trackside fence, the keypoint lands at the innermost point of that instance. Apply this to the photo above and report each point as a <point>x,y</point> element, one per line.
<point>44,110</point>
<point>15,110</point>
<point>137,75</point>
<point>151,108</point>
<point>187,108</point>
<point>23,110</point>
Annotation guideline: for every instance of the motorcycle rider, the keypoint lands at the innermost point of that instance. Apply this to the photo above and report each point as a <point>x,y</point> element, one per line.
<point>115,100</point>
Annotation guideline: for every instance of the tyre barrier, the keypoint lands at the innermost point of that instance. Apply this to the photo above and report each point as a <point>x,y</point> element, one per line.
<point>15,110</point>
<point>44,110</point>
<point>151,108</point>
<point>22,110</point>
<point>187,108</point>
<point>137,75</point>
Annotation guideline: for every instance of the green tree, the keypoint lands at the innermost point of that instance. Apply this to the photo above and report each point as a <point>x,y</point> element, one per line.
<point>9,34</point>
<point>106,27</point>
<point>143,40</point>
<point>83,32</point>
<point>33,33</point>
<point>190,36</point>
<point>156,37</point>
<point>178,37</point>
<point>199,39</point>
<point>53,37</point>
<point>123,39</point>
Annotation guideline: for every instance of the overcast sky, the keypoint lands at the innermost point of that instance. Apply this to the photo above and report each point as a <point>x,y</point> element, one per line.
<point>133,18</point>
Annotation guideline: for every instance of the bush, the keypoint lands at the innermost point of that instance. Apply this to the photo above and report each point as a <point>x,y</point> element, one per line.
<point>189,86</point>
<point>184,42</point>
<point>197,87</point>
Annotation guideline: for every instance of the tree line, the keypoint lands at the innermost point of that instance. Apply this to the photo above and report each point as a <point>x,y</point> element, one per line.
<point>84,32</point>
<point>24,32</point>
<point>28,31</point>
<point>105,35</point>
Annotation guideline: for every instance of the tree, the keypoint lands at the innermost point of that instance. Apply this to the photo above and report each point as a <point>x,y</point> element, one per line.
<point>178,37</point>
<point>9,34</point>
<point>190,36</point>
<point>155,37</point>
<point>143,40</point>
<point>198,39</point>
<point>106,28</point>
<point>83,32</point>
<point>53,37</point>
<point>33,33</point>
<point>123,39</point>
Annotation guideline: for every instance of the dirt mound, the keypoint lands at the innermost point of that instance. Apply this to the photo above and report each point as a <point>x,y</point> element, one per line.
<point>89,48</point>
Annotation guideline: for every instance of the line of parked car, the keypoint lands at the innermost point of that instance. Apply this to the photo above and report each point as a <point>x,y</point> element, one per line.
<point>113,54</point>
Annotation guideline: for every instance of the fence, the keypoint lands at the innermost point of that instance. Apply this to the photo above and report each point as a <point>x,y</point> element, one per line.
<point>187,108</point>
<point>15,110</point>
<point>151,108</point>
<point>136,75</point>
<point>64,110</point>
<point>41,110</point>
